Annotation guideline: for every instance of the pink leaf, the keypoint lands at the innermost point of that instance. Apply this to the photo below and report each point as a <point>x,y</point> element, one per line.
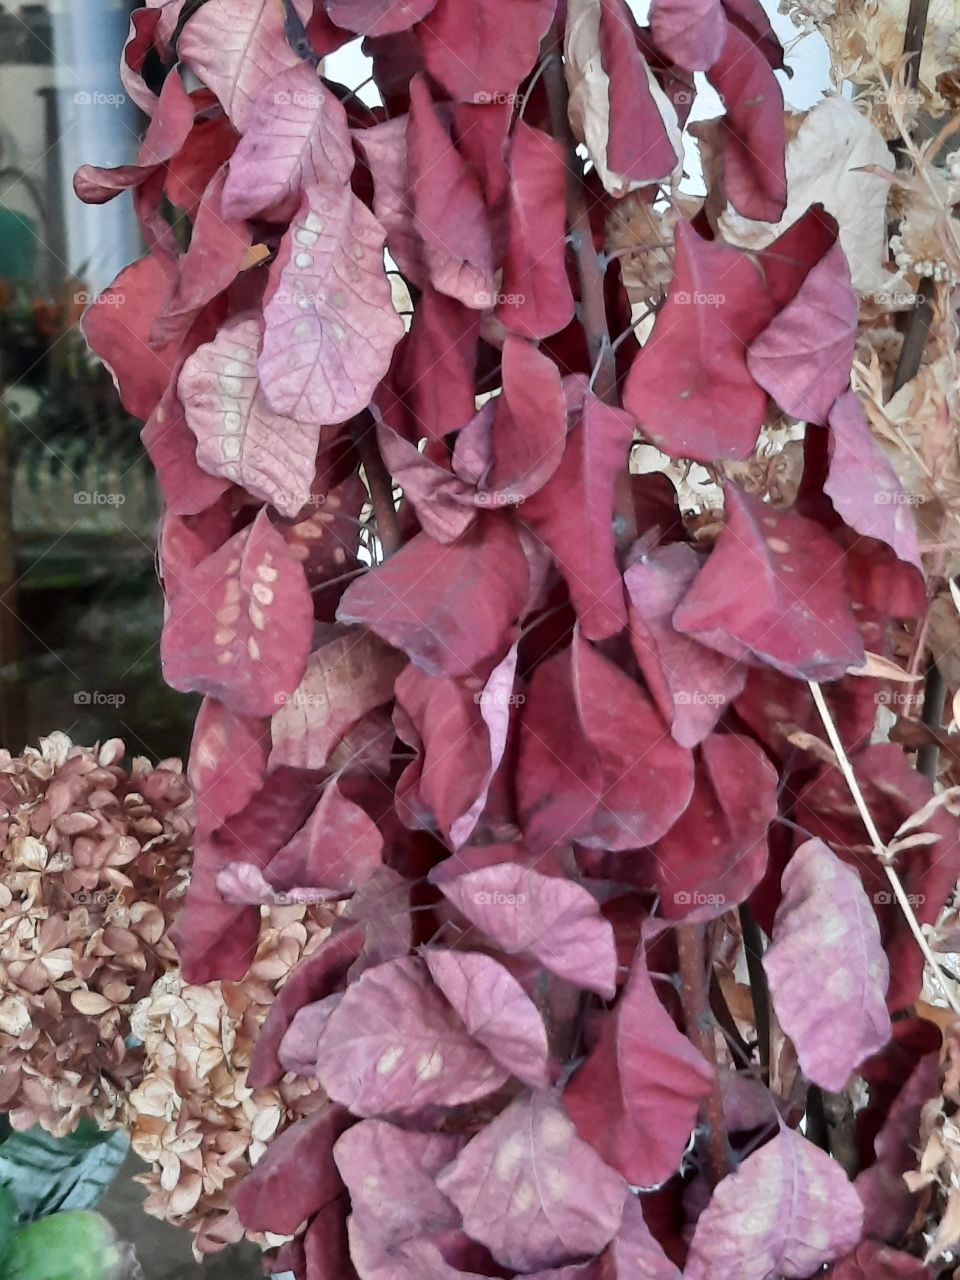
<point>297,135</point>
<point>638,759</point>
<point>689,387</point>
<point>330,324</point>
<point>596,764</point>
<point>448,608</point>
<point>636,1098</point>
<point>117,328</point>
<point>573,513</point>
<point>433,373</point>
<point>691,684</point>
<point>826,934</point>
<point>236,47</point>
<point>804,356</point>
<point>485,49</point>
<point>166,134</point>
<point>443,502</point>
<point>389,1173</point>
<point>394,1046</point>
<point>239,437</point>
<point>715,855</point>
<point>240,628</point>
<point>384,147</point>
<point>296,1175</point>
<point>554,920</point>
<point>300,1044</point>
<point>536,300</point>
<point>338,847</point>
<point>378,17</point>
<point>349,674</point>
<point>214,258</point>
<point>228,760</point>
<point>863,485</point>
<point>450,213</point>
<point>532,1191</point>
<point>773,586</point>
<point>529,425</point>
<point>752,135</point>
<point>690,33</point>
<point>634,1254</point>
<point>187,490</point>
<point>495,1010</point>
<point>786,1211</point>
<point>315,978</point>
<point>638,145</point>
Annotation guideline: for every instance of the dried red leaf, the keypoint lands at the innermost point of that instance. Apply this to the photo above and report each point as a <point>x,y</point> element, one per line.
<point>636,1098</point>
<point>514,1185</point>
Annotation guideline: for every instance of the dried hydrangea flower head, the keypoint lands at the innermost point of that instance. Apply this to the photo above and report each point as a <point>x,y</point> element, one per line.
<point>193,1116</point>
<point>94,866</point>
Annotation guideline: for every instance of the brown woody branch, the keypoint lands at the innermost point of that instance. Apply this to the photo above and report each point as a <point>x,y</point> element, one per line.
<point>699,1023</point>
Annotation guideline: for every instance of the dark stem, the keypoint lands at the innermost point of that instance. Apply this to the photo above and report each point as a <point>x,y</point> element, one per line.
<point>934,701</point>
<point>591,267</point>
<point>753,949</point>
<point>379,483</point>
<point>699,1024</point>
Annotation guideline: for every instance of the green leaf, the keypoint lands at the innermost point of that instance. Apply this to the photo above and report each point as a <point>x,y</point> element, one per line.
<point>8,1221</point>
<point>48,1175</point>
<point>67,1246</point>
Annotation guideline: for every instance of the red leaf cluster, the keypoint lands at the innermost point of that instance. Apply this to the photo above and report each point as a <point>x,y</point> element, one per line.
<point>529,727</point>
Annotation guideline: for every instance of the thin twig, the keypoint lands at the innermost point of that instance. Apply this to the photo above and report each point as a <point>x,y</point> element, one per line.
<point>876,841</point>
<point>379,483</point>
<point>753,950</point>
<point>699,1024</point>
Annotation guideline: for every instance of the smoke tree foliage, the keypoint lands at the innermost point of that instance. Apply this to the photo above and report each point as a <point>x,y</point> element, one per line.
<point>547,741</point>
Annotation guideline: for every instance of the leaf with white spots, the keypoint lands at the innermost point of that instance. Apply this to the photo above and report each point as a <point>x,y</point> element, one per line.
<point>239,626</point>
<point>236,47</point>
<point>532,1191</point>
<point>787,1210</point>
<point>389,1173</point>
<point>556,921</point>
<point>496,1011</point>
<point>239,437</point>
<point>394,1046</point>
<point>826,939</point>
<point>349,674</point>
<point>330,323</point>
<point>297,135</point>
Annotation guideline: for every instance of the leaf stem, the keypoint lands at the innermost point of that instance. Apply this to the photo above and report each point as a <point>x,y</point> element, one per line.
<point>699,1024</point>
<point>879,848</point>
<point>379,483</point>
<point>753,950</point>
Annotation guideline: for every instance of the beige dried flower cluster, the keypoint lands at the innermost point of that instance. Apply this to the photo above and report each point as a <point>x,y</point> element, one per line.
<point>95,1019</point>
<point>94,864</point>
<point>192,1116</point>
